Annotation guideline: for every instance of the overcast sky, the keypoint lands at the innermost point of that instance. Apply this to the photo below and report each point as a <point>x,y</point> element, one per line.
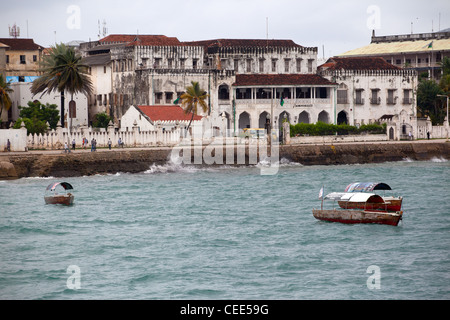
<point>336,26</point>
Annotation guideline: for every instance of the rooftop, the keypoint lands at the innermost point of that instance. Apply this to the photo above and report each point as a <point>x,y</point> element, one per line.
<point>20,44</point>
<point>357,63</point>
<point>167,113</point>
<point>141,40</point>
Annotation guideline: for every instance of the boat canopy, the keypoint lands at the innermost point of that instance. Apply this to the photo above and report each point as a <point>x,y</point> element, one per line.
<point>367,186</point>
<point>354,197</point>
<point>65,185</point>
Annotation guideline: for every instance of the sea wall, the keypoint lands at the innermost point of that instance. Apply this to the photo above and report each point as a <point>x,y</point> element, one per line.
<point>18,165</point>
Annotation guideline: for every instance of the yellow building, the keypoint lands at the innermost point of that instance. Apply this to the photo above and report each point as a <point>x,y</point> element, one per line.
<point>423,52</point>
<point>22,58</point>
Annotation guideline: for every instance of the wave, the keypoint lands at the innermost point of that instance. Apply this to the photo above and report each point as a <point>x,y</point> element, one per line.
<point>438,159</point>
<point>282,163</point>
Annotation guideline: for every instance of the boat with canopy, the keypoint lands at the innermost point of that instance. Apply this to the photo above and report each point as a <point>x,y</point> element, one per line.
<point>391,203</point>
<point>59,193</point>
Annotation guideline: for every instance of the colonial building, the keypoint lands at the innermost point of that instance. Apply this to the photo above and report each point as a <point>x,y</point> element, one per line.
<point>371,90</point>
<point>422,52</point>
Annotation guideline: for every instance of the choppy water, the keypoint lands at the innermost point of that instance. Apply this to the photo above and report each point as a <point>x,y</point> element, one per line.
<point>224,233</point>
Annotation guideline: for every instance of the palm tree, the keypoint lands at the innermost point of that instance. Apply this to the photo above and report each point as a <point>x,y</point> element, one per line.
<point>192,98</point>
<point>62,70</point>
<point>5,100</point>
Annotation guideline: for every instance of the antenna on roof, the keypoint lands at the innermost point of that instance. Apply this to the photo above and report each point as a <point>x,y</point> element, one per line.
<point>14,31</point>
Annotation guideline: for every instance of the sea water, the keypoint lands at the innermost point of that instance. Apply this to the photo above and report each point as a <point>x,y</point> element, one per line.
<point>186,232</point>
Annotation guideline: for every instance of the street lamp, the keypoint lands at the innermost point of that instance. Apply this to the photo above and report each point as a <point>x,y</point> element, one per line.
<point>441,95</point>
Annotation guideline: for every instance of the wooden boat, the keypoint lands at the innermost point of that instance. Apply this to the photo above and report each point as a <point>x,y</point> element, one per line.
<point>390,203</point>
<point>368,209</point>
<point>57,193</point>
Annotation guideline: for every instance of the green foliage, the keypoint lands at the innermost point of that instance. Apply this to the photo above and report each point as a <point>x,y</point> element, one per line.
<point>36,116</point>
<point>324,129</point>
<point>101,120</point>
<point>428,103</point>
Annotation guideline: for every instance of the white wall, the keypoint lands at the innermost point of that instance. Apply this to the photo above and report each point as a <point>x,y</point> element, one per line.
<point>22,95</point>
<point>17,138</point>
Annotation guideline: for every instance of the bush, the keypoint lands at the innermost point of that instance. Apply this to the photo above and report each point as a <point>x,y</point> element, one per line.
<point>325,129</point>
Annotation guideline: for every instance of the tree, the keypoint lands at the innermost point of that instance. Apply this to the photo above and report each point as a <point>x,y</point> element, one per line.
<point>5,100</point>
<point>427,102</point>
<point>62,70</point>
<point>101,120</point>
<point>192,99</point>
<point>36,116</point>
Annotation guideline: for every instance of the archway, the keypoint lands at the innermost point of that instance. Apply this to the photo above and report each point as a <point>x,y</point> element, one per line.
<point>391,133</point>
<point>282,117</point>
<point>342,117</point>
<point>303,117</point>
<point>324,117</point>
<point>263,119</point>
<point>244,120</point>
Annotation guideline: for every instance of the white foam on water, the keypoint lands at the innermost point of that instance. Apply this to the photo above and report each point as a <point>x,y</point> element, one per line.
<point>438,159</point>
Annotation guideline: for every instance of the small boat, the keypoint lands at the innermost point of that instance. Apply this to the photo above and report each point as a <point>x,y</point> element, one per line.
<point>390,203</point>
<point>368,208</point>
<point>57,193</point>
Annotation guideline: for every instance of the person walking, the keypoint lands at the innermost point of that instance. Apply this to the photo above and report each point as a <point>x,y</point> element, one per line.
<point>66,147</point>
<point>73,144</point>
<point>8,145</point>
<point>92,145</point>
<point>109,143</point>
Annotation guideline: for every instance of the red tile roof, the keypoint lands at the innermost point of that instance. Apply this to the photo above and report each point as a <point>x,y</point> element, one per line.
<point>280,80</point>
<point>167,113</point>
<point>141,40</point>
<point>358,63</point>
<point>20,44</point>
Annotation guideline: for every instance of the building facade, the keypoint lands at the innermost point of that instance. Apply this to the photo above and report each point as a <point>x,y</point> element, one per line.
<point>422,52</point>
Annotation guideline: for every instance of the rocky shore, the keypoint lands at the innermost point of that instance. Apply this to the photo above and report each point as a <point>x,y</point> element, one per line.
<point>133,160</point>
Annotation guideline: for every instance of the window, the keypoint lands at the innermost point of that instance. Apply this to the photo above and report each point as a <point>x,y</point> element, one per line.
<point>286,65</point>
<point>398,61</point>
<point>194,63</point>
<point>375,99</point>
<point>249,65</point>
<point>104,69</point>
<point>391,99</point>
<point>157,63</point>
<point>236,65</point>
<point>170,63</point>
<point>22,59</point>
<point>407,96</point>
<point>274,65</point>
<point>342,96</point>
<point>34,58</point>
<point>169,97</point>
<point>299,65</point>
<point>7,58</point>
<point>261,65</point>
<point>158,97</point>
<point>310,65</point>
<point>182,63</point>
<point>359,99</point>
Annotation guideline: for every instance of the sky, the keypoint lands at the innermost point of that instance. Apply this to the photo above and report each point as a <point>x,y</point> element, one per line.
<point>334,27</point>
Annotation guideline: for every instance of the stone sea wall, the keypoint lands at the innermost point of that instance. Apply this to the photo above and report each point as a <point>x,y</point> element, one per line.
<point>44,164</point>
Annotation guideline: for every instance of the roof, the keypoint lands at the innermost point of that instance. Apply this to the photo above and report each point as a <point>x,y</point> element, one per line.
<point>98,59</point>
<point>280,80</point>
<point>226,43</point>
<point>398,47</point>
<point>65,185</point>
<point>357,63</point>
<point>354,197</point>
<point>20,44</point>
<point>367,186</point>
<point>167,113</point>
<point>141,40</point>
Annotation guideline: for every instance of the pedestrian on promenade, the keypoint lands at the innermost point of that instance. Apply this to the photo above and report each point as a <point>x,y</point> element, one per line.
<point>73,144</point>
<point>85,142</point>
<point>109,143</point>
<point>428,135</point>
<point>410,135</point>
<point>66,147</point>
<point>8,145</point>
<point>92,144</point>
<point>120,143</point>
